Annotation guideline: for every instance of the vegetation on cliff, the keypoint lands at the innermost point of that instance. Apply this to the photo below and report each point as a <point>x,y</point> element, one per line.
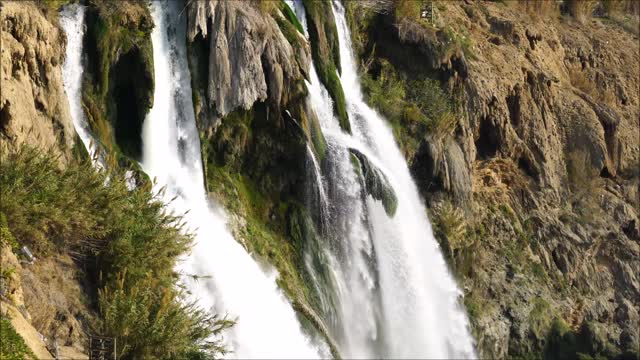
<point>12,346</point>
<point>118,86</point>
<point>325,50</point>
<point>124,239</point>
<point>495,188</point>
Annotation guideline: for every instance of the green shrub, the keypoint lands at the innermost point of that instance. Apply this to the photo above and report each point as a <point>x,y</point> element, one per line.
<point>128,244</point>
<point>151,324</point>
<point>6,237</point>
<point>407,9</point>
<point>414,107</point>
<point>540,318</point>
<point>459,240</point>
<point>12,345</point>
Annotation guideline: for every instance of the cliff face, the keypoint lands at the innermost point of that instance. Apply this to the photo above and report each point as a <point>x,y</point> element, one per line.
<point>33,105</point>
<point>248,63</point>
<point>248,58</point>
<point>543,167</point>
<point>43,298</point>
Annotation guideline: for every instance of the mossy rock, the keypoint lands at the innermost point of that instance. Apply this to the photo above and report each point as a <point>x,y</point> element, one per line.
<point>119,79</point>
<point>325,50</point>
<point>375,182</point>
<point>291,16</point>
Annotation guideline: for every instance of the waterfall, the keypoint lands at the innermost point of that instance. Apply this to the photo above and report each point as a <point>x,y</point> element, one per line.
<point>395,296</point>
<point>72,22</point>
<point>225,278</point>
<point>230,281</point>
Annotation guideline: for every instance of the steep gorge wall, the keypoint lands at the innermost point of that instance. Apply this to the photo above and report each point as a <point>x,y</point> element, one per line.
<point>542,163</point>
<point>33,105</point>
<point>119,78</point>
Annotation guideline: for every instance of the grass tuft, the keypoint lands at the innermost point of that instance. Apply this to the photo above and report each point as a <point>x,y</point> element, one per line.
<point>12,345</point>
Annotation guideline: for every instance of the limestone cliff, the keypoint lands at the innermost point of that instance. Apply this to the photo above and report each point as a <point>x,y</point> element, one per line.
<point>248,64</point>
<point>542,160</point>
<point>33,105</point>
<point>249,58</point>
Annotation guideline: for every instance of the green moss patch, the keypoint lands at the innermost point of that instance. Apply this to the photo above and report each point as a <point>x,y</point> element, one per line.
<point>291,16</point>
<point>375,182</point>
<point>12,346</point>
<point>119,81</point>
<point>325,50</point>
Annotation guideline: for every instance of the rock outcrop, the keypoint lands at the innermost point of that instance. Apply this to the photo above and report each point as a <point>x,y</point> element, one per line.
<point>33,105</point>
<point>119,76</point>
<point>545,161</point>
<point>248,64</point>
<point>374,182</point>
<point>249,58</point>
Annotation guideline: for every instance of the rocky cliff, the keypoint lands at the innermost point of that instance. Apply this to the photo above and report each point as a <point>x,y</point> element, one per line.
<point>43,300</point>
<point>519,122</point>
<point>33,105</point>
<point>541,162</point>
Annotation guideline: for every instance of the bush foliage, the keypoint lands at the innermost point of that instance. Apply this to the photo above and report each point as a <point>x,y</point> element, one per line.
<point>125,239</point>
<point>413,107</point>
<point>12,345</point>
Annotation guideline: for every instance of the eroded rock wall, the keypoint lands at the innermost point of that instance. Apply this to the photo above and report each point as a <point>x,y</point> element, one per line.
<point>33,105</point>
<point>544,162</point>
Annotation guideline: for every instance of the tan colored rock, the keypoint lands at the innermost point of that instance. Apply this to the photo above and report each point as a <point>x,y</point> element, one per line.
<point>12,285</point>
<point>249,58</point>
<point>31,336</point>
<point>33,104</point>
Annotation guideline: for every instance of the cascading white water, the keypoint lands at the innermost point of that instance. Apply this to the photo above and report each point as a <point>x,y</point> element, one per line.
<point>395,296</point>
<point>72,21</point>
<point>230,281</point>
<point>233,282</point>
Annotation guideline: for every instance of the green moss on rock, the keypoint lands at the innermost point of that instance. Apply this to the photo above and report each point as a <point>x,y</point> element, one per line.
<point>12,346</point>
<point>119,81</point>
<point>375,182</point>
<point>291,16</point>
<point>325,50</point>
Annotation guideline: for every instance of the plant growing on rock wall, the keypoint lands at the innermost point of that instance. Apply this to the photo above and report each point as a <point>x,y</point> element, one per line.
<point>455,237</point>
<point>12,345</point>
<point>123,238</point>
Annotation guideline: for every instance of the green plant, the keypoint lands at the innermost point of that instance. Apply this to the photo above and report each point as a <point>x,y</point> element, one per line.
<point>540,318</point>
<point>458,239</point>
<point>127,242</point>
<point>291,16</point>
<point>12,345</point>
<point>151,324</point>
<point>6,237</point>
